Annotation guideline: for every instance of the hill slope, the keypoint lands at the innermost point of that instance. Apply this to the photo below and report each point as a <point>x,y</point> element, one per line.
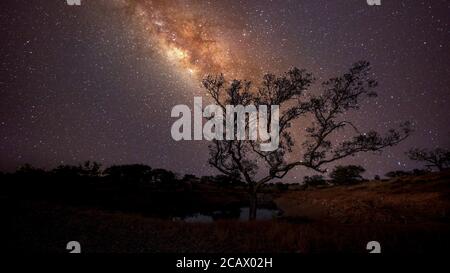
<point>413,199</point>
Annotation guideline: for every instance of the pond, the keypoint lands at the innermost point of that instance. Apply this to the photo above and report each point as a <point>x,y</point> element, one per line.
<point>240,214</point>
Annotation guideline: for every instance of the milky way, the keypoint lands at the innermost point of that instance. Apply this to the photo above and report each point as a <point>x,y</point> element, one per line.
<point>185,34</point>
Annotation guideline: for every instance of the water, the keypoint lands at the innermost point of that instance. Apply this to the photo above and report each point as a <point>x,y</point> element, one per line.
<point>240,214</point>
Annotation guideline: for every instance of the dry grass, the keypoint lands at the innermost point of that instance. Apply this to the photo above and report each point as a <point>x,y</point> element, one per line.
<point>401,200</point>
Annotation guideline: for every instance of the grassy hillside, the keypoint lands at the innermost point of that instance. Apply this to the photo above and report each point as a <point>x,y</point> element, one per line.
<point>409,199</point>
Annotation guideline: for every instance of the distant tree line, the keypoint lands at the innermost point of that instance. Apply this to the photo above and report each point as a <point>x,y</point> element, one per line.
<point>126,176</point>
<point>129,176</point>
<point>437,159</point>
<point>340,175</point>
<point>130,187</point>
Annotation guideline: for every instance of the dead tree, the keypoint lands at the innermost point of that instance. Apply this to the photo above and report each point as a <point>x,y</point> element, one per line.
<point>245,161</point>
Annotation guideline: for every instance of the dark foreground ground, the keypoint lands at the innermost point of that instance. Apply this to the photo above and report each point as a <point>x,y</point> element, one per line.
<point>408,215</point>
<point>45,228</point>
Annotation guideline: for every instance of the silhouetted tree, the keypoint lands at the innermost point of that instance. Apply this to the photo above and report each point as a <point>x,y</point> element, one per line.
<point>129,175</point>
<point>87,169</point>
<point>28,171</point>
<point>345,175</point>
<point>91,169</point>
<point>190,177</point>
<point>29,177</point>
<point>225,181</point>
<point>325,114</point>
<point>314,180</point>
<point>438,158</point>
<point>206,179</point>
<point>164,178</point>
<point>68,171</point>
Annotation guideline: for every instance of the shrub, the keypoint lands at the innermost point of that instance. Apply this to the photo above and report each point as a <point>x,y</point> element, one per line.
<point>314,181</point>
<point>345,175</point>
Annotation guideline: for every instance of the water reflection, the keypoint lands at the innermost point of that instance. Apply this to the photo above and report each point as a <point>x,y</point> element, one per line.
<point>240,214</point>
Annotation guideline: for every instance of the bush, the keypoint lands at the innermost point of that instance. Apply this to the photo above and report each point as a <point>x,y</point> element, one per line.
<point>314,181</point>
<point>281,186</point>
<point>345,175</point>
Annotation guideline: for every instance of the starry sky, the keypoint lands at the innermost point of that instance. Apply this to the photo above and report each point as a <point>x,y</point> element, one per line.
<point>98,81</point>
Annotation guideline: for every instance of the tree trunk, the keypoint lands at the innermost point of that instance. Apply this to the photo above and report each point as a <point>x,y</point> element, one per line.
<point>253,206</point>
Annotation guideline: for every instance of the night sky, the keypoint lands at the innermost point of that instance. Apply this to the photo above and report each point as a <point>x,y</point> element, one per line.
<point>98,81</point>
